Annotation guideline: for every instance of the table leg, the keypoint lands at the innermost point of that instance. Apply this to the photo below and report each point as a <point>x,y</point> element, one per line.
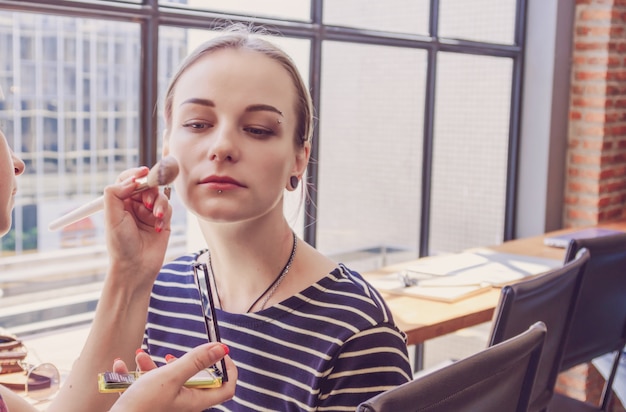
<point>418,361</point>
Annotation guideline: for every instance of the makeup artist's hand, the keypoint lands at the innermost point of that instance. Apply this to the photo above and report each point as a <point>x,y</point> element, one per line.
<point>162,388</point>
<point>137,227</point>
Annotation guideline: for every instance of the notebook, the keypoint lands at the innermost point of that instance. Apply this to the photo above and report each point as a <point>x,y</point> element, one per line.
<point>562,241</point>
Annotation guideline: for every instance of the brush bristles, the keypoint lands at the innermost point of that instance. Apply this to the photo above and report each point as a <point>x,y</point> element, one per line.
<point>164,172</point>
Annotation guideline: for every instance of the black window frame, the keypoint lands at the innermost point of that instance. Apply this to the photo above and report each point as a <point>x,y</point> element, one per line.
<point>150,15</point>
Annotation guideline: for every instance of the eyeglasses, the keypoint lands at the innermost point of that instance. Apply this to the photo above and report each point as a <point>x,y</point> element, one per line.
<point>42,381</point>
<point>38,382</point>
<point>203,281</point>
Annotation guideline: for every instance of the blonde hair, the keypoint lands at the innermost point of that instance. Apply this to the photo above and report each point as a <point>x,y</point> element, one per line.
<point>242,37</point>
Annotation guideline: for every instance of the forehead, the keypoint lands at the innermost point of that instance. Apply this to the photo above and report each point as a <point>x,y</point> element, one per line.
<point>230,75</point>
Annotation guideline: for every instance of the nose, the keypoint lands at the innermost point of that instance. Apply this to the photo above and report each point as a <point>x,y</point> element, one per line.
<point>223,146</point>
<point>18,165</point>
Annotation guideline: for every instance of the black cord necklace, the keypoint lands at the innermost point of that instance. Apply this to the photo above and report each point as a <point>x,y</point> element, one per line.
<point>269,292</point>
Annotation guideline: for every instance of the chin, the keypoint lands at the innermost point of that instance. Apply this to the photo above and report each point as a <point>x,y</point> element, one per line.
<point>5,224</point>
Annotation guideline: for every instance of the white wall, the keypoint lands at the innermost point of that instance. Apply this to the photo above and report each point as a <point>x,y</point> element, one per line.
<point>544,119</point>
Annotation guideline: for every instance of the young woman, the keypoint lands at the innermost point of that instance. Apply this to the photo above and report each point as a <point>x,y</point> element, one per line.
<point>121,311</point>
<point>305,332</point>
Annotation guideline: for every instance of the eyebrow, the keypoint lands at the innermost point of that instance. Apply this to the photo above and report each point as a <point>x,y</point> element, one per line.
<point>202,102</point>
<point>251,108</point>
<point>263,108</point>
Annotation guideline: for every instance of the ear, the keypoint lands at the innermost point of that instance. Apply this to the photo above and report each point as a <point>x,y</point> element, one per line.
<point>299,166</point>
<point>302,159</point>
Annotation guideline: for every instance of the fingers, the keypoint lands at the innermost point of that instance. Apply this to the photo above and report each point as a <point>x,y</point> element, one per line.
<point>170,394</point>
<point>231,369</point>
<point>199,358</point>
<point>149,207</point>
<point>162,211</point>
<point>119,366</point>
<point>135,171</point>
<point>144,361</point>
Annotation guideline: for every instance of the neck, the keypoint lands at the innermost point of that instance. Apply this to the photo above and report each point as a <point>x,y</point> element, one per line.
<point>247,276</point>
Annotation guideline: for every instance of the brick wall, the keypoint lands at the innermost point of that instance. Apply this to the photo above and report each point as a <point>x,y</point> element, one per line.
<point>585,383</point>
<point>596,162</point>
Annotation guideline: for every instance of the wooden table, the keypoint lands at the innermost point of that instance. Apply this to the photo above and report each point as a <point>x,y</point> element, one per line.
<point>422,319</point>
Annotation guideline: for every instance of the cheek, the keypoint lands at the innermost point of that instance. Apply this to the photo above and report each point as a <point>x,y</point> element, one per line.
<point>274,171</point>
<point>182,180</point>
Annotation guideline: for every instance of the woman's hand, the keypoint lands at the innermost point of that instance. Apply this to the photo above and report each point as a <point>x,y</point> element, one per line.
<point>161,389</point>
<point>137,226</point>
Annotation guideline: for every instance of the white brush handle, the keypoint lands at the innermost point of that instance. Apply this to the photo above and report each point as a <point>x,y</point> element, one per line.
<point>75,215</point>
<point>91,208</point>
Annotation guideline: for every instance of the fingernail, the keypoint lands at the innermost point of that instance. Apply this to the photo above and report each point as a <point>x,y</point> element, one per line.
<point>117,359</point>
<point>169,357</point>
<point>226,350</point>
<point>138,351</point>
<point>159,226</point>
<point>159,214</point>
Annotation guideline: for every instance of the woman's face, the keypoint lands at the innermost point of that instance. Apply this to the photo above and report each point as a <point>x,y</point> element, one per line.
<point>232,131</point>
<point>10,167</point>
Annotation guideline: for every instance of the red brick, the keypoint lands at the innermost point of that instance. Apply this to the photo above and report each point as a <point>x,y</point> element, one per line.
<point>598,14</point>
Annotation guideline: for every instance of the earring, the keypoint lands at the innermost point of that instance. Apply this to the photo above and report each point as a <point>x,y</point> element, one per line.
<point>167,191</point>
<point>293,181</point>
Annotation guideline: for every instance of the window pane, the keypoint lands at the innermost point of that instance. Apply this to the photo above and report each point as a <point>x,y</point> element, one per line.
<point>175,43</point>
<point>470,151</point>
<point>71,112</point>
<point>402,16</point>
<point>280,9</point>
<point>371,127</point>
<point>491,21</point>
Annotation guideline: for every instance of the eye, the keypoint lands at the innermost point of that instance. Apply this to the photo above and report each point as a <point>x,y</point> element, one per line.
<point>259,132</point>
<point>197,125</point>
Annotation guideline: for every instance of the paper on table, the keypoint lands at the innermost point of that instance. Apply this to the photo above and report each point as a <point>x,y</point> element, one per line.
<point>456,276</point>
<point>439,293</point>
<point>480,265</point>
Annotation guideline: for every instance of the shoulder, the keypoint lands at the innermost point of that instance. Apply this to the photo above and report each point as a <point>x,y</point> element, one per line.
<point>344,295</point>
<point>352,287</point>
<point>178,268</point>
<point>183,262</point>
<point>176,278</point>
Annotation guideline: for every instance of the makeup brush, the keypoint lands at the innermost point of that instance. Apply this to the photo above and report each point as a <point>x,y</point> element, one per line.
<point>162,173</point>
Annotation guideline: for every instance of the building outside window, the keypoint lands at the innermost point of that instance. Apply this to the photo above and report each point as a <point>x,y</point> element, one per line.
<point>414,111</point>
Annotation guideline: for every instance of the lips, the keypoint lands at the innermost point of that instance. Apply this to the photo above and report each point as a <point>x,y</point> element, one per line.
<point>221,182</point>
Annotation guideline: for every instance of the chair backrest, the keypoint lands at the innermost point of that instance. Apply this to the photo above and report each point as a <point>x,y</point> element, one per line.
<point>549,298</point>
<point>599,321</point>
<point>497,378</point>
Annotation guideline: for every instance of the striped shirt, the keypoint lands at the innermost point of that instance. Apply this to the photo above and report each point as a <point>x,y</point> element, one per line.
<point>327,348</point>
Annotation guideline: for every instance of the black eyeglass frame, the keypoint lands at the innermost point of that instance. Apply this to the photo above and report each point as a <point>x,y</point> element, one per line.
<point>211,326</point>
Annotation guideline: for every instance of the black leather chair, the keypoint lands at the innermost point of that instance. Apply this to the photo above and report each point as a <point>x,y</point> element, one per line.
<point>549,298</point>
<point>496,379</point>
<point>599,321</point>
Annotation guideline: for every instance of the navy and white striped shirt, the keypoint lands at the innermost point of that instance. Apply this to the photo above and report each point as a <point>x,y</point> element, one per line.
<point>327,348</point>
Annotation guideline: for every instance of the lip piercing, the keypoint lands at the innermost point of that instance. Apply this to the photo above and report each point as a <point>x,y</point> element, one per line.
<point>219,191</point>
<point>279,121</point>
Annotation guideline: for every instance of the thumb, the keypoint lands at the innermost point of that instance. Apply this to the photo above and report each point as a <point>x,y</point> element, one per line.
<point>199,358</point>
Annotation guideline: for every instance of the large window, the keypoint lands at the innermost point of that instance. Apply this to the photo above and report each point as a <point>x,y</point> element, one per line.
<point>70,110</point>
<point>416,102</point>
